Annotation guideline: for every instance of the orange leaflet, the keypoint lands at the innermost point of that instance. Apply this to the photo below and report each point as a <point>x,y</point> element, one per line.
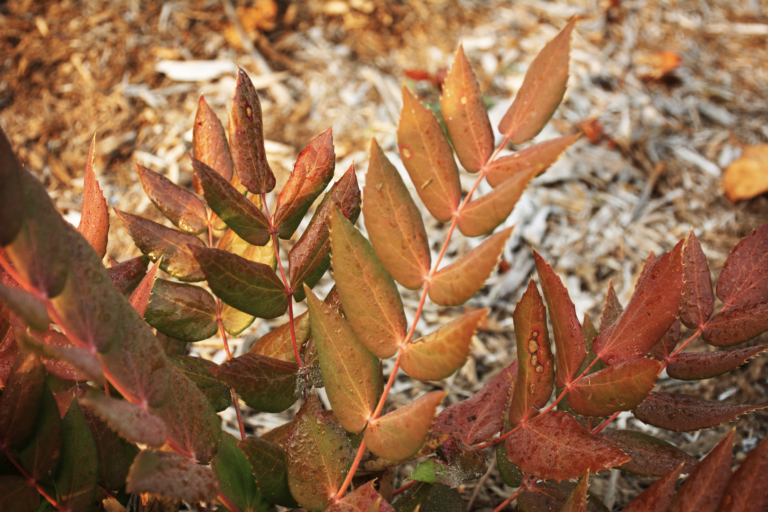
<point>140,297</point>
<point>658,496</point>
<point>577,501</point>
<point>94,220</point>
<point>536,158</point>
<point>210,142</point>
<point>698,302</point>
<point>183,208</point>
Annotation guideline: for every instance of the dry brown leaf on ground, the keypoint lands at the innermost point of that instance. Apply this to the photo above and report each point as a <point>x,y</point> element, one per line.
<point>747,177</point>
<point>654,66</point>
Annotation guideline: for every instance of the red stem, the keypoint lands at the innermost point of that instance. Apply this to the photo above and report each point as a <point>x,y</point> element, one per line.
<point>405,487</point>
<point>607,421</point>
<point>33,482</point>
<point>507,501</point>
<point>225,501</point>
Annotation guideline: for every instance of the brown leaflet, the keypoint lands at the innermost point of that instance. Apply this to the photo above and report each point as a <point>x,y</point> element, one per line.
<point>465,115</point>
<point>702,491</point>
<point>658,496</point>
<point>549,496</point>
<point>182,311</point>
<point>363,499</point>
<point>94,219</point>
<point>63,359</point>
<point>428,158</point>
<point>698,302</point>
<point>246,138</point>
<point>554,446</point>
<point>484,214</point>
<point>140,297</point>
<point>132,421</point>
<point>439,354</point>
<point>666,345</point>
<point>705,365</point>
<point>172,475</point>
<point>277,343</point>
<point>612,308</point>
<point>570,347</point>
<point>157,241</point>
<point>183,208</point>
<point>577,501</point>
<point>20,400</point>
<point>534,159</point>
<point>482,415</point>
<point>8,351</point>
<point>456,283</point>
<point>401,433</point>
<point>26,306</point>
<point>747,489</point>
<point>394,223</point>
<point>736,324</point>
<point>11,193</point>
<point>210,142</point>
<point>589,332</point>
<point>650,456</point>
<point>536,373</point>
<point>683,413</point>
<point>651,310</point>
<point>127,274</point>
<point>542,90</point>
<point>744,278</point>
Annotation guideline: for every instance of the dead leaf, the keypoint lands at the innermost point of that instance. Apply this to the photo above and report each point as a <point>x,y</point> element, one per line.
<point>747,177</point>
<point>653,66</point>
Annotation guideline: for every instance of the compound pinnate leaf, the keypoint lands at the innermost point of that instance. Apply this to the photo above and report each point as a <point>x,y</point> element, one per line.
<point>456,283</point>
<point>210,142</point>
<point>612,308</point>
<point>554,446</point>
<point>705,365</point>
<point>534,159</point>
<point>246,138</point>
<point>428,158</point>
<point>318,457</point>
<point>736,324</point>
<point>77,476</point>
<point>198,371</point>
<point>536,373</point>
<point>658,496</point>
<point>183,208</point>
<point>401,433</point>
<point>465,115</point>
<point>350,371</point>
<point>127,274</point>
<point>650,456</point>
<point>172,475</point>
<point>250,287</point>
<point>747,490</point>
<point>266,384</point>
<point>394,223</point>
<point>134,422</point>
<point>542,90</point>
<point>182,311</point>
<point>40,457</point>
<point>94,219</point>
<point>158,241</point>
<point>577,501</point>
<point>666,345</point>
<point>482,415</point>
<point>234,473</point>
<point>20,401</point>
<point>702,491</point>
<point>651,310</point>
<point>372,304</point>
<point>698,301</point>
<point>27,306</point>
<point>744,278</point>
<point>570,347</point>
<point>16,493</point>
<point>139,298</point>
<point>363,499</point>
<point>311,174</point>
<point>11,195</point>
<point>439,354</point>
<point>269,470</point>
<point>616,388</point>
<point>683,413</point>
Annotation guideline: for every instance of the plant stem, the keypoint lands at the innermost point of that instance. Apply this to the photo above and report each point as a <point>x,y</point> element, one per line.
<point>681,347</point>
<point>606,422</point>
<point>514,495</point>
<point>404,487</point>
<point>225,501</point>
<point>33,482</point>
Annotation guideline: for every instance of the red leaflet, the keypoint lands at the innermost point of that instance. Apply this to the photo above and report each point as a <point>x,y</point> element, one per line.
<point>210,141</point>
<point>736,324</point>
<point>570,347</point>
<point>657,497</point>
<point>702,490</point>
<point>363,499</point>
<point>705,365</point>
<point>94,220</point>
<point>698,302</point>
<point>683,413</point>
<point>63,358</point>
<point>747,489</point>
<point>666,345</point>
<point>127,274</point>
<point>173,475</point>
<point>532,160</point>
<point>536,373</point>
<point>612,308</point>
<point>554,446</point>
<point>744,278</point>
<point>140,297</point>
<point>650,456</point>
<point>132,421</point>
<point>577,501</point>
<point>651,310</point>
<point>183,208</point>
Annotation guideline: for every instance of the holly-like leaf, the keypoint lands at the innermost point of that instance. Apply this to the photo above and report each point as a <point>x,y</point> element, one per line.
<point>401,433</point>
<point>545,496</point>
<point>20,401</point>
<point>683,413</point>
<point>266,384</point>
<point>350,371</point>
<point>363,499</point>
<point>658,496</point>
<point>536,373</point>
<point>172,475</point>
<point>182,311</point>
<point>744,278</point>
<point>11,198</point>
<point>210,142</point>
<point>269,470</point>
<point>239,213</point>
<point>698,301</point>
<point>612,308</point>
<point>250,287</point>
<point>198,371</point>
<point>78,472</point>
<point>703,490</point>
<point>736,324</point>
<point>63,359</point>
<point>531,160</point>
<point>482,415</point>
<point>428,158</point>
<point>310,256</point>
<point>616,388</point>
<point>157,241</point>
<point>94,218</point>
<point>570,347</point>
<point>651,310</point>
<point>465,115</point>
<point>311,174</point>
<point>246,138</point>
<point>139,298</point>
<point>318,457</point>
<point>577,501</point>
<point>666,345</point>
<point>40,457</point>
<point>705,365</point>
<point>747,489</point>
<point>183,208</point>
<point>16,493</point>
<point>542,90</point>
<point>394,223</point>
<point>134,422</point>
<point>439,354</point>
<point>456,283</point>
<point>554,446</point>
<point>25,305</point>
<point>127,274</point>
<point>650,456</point>
<point>372,304</point>
<point>235,476</point>
<point>114,455</point>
